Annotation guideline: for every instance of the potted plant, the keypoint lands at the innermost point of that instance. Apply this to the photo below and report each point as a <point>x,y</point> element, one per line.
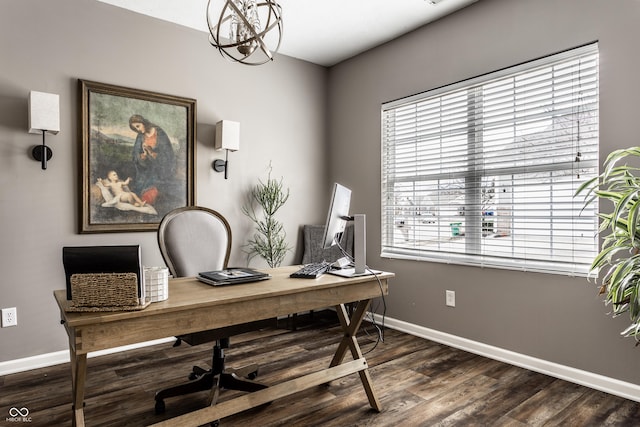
<point>269,240</point>
<point>619,258</point>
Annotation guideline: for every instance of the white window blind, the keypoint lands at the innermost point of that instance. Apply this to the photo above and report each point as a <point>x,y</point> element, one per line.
<point>484,172</point>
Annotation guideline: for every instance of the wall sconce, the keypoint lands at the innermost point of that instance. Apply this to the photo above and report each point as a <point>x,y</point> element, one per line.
<point>227,138</point>
<point>44,116</point>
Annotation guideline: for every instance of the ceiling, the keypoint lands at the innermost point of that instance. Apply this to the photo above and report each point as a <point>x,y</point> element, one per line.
<point>323,32</point>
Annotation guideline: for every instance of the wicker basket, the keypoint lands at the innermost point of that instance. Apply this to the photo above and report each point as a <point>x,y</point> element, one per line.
<point>105,292</point>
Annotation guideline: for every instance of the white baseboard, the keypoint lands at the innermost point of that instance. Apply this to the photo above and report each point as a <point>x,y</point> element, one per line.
<point>588,379</point>
<point>58,357</point>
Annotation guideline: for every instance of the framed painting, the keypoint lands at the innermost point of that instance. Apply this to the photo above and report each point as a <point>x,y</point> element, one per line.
<point>138,152</point>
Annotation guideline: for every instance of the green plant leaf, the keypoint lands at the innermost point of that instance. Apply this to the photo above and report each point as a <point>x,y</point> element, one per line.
<point>269,241</point>
<point>620,232</point>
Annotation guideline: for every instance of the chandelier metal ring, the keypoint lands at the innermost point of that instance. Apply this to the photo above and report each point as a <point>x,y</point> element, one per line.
<point>245,31</point>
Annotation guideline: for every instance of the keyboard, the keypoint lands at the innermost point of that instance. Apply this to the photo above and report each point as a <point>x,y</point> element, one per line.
<point>311,271</point>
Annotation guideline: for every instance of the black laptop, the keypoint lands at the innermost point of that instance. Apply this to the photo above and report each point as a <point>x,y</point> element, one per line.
<point>102,259</point>
<point>231,276</point>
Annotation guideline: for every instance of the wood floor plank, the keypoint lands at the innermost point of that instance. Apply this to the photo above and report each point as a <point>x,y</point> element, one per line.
<point>418,382</point>
<point>592,409</point>
<point>557,396</point>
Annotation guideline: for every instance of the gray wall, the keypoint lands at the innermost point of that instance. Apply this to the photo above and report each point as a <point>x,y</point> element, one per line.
<point>46,46</point>
<point>556,318</point>
<point>285,109</point>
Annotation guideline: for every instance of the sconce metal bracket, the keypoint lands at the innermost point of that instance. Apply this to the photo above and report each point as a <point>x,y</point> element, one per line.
<point>219,165</point>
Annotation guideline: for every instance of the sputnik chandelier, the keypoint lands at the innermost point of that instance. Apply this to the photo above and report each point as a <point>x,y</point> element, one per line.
<point>245,31</point>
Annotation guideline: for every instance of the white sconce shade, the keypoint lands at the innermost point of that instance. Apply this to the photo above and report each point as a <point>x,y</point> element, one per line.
<point>227,138</point>
<point>227,135</point>
<point>44,112</point>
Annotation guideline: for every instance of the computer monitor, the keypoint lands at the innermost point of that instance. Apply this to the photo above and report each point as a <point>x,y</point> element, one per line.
<point>336,222</point>
<point>337,216</point>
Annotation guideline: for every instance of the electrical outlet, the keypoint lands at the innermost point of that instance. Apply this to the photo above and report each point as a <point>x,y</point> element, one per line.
<point>9,317</point>
<point>450,298</point>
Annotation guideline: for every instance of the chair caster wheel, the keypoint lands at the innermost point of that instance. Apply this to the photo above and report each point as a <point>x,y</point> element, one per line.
<point>193,376</point>
<point>252,375</point>
<point>160,408</point>
<point>215,423</point>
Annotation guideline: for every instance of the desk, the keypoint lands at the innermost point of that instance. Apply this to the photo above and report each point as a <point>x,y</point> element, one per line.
<point>193,306</point>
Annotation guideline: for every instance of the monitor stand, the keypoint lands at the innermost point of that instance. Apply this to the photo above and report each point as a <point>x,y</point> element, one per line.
<point>359,250</point>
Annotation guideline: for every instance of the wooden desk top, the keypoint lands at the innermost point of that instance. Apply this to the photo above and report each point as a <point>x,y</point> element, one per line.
<point>191,304</point>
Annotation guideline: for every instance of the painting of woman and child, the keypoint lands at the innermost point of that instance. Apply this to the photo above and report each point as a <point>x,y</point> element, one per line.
<point>138,154</point>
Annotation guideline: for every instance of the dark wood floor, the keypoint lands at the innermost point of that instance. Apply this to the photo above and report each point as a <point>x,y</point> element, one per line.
<point>419,382</point>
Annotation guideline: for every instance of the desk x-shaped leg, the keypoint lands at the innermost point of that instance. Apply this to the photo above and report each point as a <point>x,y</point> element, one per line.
<point>349,341</point>
<point>337,369</point>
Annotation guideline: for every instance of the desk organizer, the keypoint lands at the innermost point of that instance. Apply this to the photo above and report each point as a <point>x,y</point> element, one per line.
<point>156,283</point>
<point>104,292</point>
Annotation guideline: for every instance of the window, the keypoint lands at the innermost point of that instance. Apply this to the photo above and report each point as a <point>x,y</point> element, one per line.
<point>484,172</point>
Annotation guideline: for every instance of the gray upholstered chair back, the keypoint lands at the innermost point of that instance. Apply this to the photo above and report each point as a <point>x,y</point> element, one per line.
<point>194,239</point>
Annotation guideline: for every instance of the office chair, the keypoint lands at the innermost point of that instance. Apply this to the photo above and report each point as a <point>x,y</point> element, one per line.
<point>194,239</point>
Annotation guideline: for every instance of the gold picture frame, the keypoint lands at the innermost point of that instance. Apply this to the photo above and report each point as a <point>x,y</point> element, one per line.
<point>138,157</point>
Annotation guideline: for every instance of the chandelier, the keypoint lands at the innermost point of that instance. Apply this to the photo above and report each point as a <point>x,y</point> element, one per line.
<point>245,31</point>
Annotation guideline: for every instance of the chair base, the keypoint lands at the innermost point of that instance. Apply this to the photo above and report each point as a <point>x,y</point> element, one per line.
<point>216,379</point>
<point>237,379</point>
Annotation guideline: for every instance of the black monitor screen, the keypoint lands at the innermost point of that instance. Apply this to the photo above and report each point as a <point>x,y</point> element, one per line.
<point>336,218</point>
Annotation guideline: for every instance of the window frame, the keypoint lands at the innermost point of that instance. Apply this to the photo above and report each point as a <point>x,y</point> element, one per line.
<point>589,220</point>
